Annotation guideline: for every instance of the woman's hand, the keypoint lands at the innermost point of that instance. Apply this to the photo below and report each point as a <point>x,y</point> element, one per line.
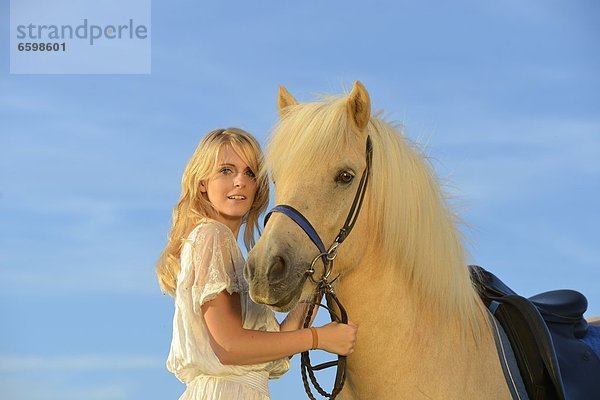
<point>337,338</point>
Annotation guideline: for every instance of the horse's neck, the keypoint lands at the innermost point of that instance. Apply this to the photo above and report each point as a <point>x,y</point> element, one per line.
<point>400,345</point>
<point>375,295</point>
<point>379,294</point>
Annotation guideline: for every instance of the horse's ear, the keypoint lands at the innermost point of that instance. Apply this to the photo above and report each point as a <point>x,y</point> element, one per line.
<point>284,100</point>
<point>359,105</point>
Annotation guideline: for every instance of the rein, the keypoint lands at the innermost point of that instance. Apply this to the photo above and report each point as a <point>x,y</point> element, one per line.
<point>324,284</point>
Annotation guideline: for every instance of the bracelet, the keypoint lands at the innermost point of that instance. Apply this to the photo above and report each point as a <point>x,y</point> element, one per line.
<point>315,338</point>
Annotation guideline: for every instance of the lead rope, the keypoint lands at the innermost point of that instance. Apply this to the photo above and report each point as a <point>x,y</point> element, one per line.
<point>306,367</point>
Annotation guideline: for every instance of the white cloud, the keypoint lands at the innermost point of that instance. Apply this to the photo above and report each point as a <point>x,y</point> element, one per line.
<point>86,376</point>
<point>544,132</point>
<point>22,389</point>
<point>14,363</point>
<point>517,160</point>
<point>84,279</point>
<point>559,240</point>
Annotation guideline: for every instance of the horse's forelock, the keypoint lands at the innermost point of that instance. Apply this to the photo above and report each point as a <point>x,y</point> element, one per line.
<point>306,134</point>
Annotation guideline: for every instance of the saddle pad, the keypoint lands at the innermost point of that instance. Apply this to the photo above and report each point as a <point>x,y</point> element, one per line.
<point>592,339</point>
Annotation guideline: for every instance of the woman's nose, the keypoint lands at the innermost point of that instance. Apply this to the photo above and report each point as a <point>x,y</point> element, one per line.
<point>240,180</point>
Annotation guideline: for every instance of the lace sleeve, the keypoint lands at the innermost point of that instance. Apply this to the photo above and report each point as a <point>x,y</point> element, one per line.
<point>213,264</point>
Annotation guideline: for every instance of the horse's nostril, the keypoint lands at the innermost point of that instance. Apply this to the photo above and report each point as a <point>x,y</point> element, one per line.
<point>277,269</point>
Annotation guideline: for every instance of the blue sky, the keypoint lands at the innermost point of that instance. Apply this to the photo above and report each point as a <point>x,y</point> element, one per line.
<point>504,95</point>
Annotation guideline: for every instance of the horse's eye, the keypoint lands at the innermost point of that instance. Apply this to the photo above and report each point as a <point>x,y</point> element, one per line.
<point>345,177</point>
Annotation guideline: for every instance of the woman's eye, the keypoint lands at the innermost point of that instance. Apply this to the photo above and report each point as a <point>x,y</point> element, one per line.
<point>250,174</point>
<point>225,171</point>
<point>345,177</point>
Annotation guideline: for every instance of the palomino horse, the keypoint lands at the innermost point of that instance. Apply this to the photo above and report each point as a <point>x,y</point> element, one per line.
<point>423,331</point>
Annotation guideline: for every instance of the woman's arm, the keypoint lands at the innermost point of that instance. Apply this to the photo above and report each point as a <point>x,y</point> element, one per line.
<point>235,345</point>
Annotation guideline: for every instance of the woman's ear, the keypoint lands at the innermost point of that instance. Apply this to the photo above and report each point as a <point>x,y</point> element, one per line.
<point>202,187</point>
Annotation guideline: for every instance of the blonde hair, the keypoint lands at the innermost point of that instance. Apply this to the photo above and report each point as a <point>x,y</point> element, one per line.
<point>193,205</point>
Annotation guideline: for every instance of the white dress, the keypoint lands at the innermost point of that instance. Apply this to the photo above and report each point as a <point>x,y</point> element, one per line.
<point>211,262</point>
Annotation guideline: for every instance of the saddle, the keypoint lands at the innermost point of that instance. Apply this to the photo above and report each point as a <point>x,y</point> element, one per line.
<point>544,332</point>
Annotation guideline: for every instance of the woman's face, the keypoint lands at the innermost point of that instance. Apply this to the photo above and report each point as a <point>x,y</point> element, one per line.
<point>231,189</point>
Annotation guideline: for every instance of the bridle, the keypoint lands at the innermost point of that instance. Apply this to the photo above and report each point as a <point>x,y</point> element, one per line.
<point>324,284</point>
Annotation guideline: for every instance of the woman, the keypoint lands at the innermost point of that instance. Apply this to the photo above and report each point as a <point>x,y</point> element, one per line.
<point>224,345</point>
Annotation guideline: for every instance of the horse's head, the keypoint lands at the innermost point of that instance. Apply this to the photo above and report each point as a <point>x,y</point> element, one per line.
<point>316,158</point>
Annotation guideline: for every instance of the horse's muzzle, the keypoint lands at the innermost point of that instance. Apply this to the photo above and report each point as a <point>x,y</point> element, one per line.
<point>277,285</point>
